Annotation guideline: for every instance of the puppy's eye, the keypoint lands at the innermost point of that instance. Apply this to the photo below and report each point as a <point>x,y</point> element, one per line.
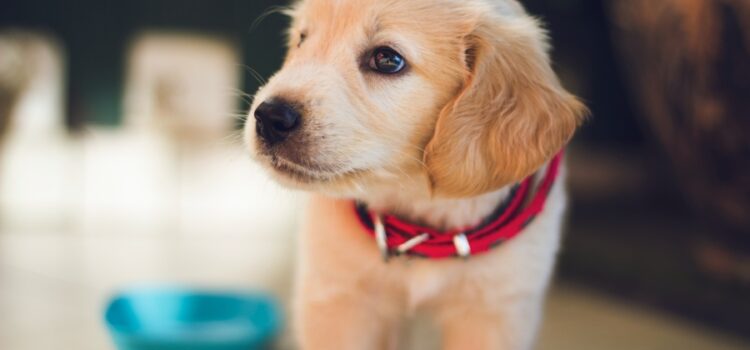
<point>387,61</point>
<point>302,37</point>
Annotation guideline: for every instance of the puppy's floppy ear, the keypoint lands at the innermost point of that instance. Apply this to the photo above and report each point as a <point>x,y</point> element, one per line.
<point>511,116</point>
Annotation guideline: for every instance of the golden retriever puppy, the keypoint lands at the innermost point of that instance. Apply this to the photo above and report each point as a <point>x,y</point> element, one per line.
<point>436,115</point>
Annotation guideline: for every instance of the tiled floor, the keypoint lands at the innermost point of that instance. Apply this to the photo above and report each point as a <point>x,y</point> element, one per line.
<point>53,288</point>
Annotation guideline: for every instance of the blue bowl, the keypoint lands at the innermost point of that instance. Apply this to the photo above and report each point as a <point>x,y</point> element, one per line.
<point>177,319</point>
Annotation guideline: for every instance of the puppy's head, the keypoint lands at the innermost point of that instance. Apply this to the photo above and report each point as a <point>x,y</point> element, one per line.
<point>459,93</point>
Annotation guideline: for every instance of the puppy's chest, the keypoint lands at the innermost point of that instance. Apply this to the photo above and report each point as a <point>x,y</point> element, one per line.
<point>422,282</point>
<point>427,281</point>
<point>487,278</point>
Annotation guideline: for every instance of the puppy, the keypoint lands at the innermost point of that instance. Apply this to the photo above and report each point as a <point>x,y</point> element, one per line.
<point>404,115</point>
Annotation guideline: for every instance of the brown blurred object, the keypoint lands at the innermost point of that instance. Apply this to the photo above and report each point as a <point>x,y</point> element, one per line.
<point>688,66</point>
<point>14,73</point>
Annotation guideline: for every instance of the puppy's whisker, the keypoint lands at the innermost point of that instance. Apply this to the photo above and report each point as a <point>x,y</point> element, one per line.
<point>270,11</point>
<point>232,138</point>
<point>239,116</point>
<point>247,98</point>
<point>255,74</point>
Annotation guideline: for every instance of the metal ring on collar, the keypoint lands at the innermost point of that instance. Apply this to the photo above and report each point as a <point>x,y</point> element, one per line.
<point>381,237</point>
<point>463,248</point>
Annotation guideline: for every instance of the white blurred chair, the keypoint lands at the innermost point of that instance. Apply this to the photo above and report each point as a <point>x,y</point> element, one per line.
<point>186,85</point>
<point>38,182</point>
<point>177,166</point>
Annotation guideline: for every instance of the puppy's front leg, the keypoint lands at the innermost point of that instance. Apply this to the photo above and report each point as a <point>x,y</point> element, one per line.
<point>511,328</point>
<point>345,296</point>
<point>340,322</point>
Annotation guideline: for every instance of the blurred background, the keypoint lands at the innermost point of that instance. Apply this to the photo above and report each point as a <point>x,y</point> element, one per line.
<point>121,164</point>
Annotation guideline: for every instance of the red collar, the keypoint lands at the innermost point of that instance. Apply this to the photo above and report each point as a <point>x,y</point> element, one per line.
<point>397,237</point>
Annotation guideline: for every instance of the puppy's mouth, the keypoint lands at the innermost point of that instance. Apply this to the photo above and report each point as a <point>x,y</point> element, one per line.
<point>307,173</point>
<point>299,172</point>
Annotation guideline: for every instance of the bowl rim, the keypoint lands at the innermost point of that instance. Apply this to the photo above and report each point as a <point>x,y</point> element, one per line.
<point>267,330</point>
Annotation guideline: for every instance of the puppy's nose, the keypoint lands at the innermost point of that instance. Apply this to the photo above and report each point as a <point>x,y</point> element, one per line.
<point>276,120</point>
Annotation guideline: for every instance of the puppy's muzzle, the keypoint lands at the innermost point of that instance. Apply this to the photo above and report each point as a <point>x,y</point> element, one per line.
<point>276,120</point>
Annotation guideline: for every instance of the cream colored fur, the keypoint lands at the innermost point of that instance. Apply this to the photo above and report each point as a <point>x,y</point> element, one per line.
<point>477,110</point>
